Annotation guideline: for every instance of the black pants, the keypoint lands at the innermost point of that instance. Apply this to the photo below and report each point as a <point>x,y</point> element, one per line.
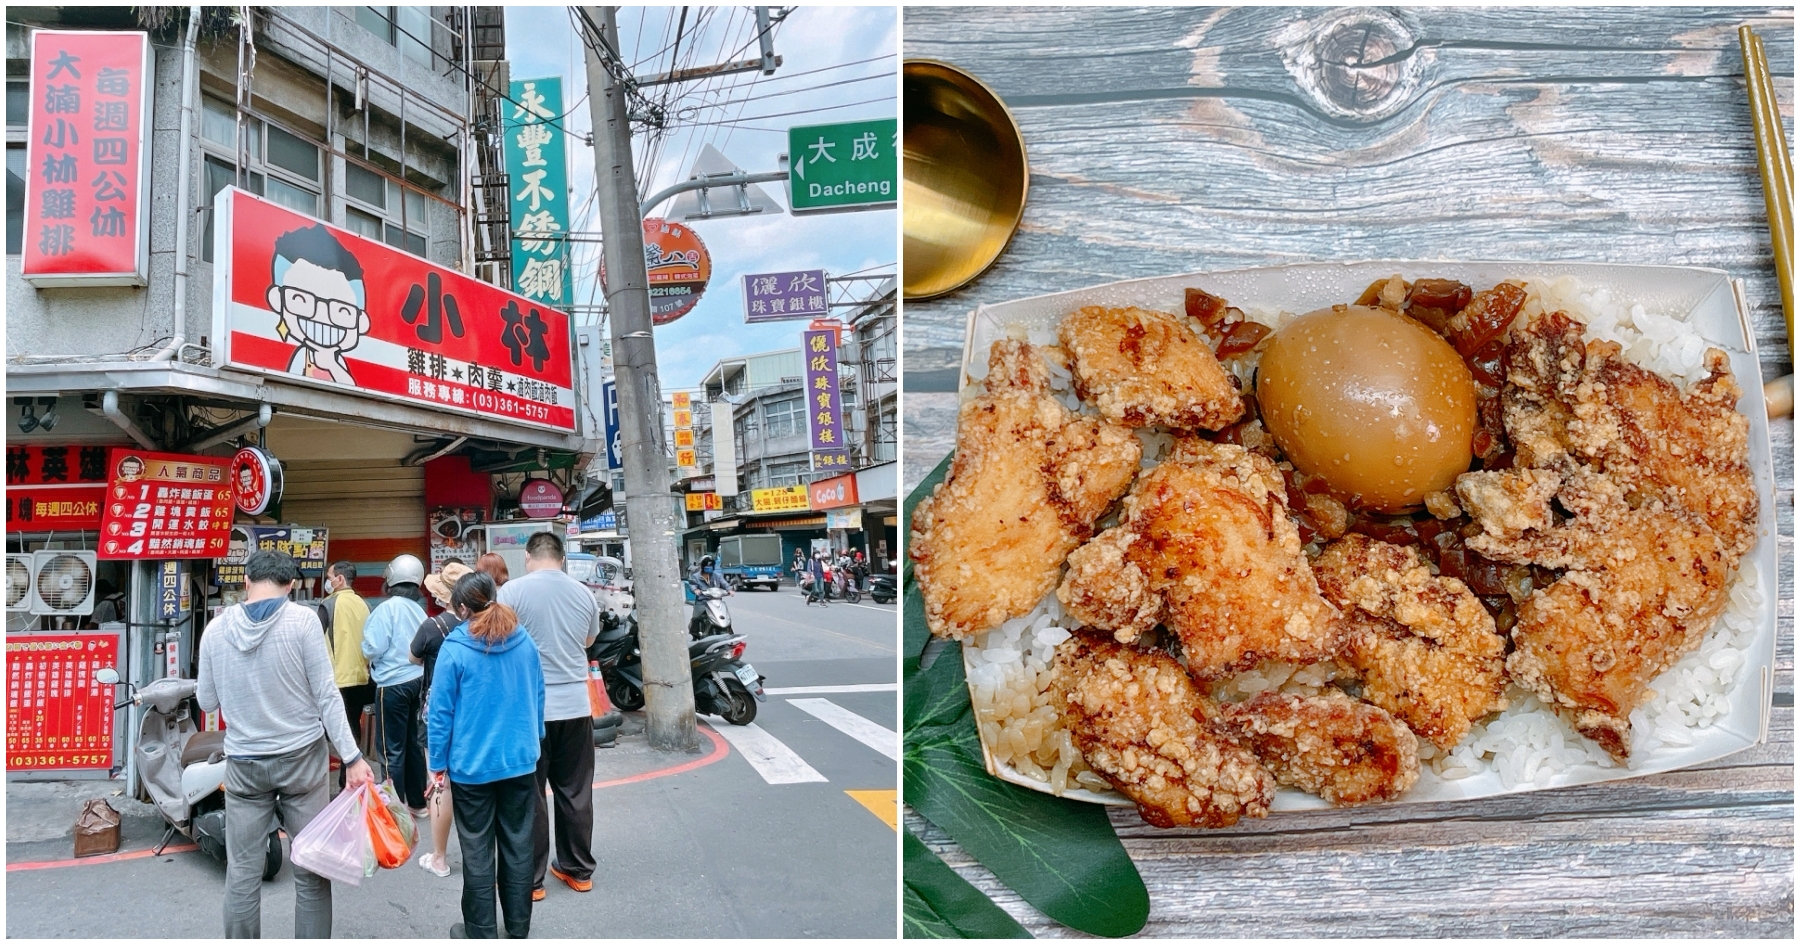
<point>493,823</point>
<point>402,735</point>
<point>566,764</point>
<point>356,699</point>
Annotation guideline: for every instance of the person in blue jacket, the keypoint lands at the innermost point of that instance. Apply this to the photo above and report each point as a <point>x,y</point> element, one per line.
<point>485,722</point>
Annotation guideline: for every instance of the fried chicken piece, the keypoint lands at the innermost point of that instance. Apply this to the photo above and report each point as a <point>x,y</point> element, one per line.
<point>1028,481</point>
<point>1144,368</point>
<point>1141,723</point>
<point>1205,546</point>
<point>1345,751</point>
<point>1640,589</point>
<point>1691,450</point>
<point>1425,648</point>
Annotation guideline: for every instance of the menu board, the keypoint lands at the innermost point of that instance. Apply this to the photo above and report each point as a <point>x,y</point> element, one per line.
<point>166,505</point>
<point>306,546</point>
<point>57,715</point>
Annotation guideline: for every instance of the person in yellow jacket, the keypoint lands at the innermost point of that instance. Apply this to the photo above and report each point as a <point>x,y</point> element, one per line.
<point>343,613</point>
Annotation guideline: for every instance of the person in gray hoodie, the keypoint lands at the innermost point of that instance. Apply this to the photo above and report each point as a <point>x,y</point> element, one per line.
<point>263,664</point>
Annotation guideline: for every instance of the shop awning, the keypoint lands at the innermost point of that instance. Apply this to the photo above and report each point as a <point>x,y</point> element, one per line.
<point>792,521</point>
<point>247,390</point>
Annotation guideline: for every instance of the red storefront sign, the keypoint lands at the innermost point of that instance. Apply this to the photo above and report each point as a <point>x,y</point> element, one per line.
<point>166,505</point>
<point>57,715</point>
<point>833,493</point>
<point>315,304</point>
<point>678,267</point>
<point>87,194</point>
<point>54,488</point>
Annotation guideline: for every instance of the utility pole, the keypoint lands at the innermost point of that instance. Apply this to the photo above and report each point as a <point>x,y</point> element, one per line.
<point>662,631</point>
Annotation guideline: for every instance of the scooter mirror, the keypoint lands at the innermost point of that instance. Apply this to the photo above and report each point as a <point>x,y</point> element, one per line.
<point>108,676</point>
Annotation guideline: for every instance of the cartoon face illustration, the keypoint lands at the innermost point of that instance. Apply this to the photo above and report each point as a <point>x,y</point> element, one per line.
<point>131,469</point>
<point>319,296</point>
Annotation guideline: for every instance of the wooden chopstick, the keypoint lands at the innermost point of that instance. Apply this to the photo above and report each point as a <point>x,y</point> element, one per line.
<point>1776,166</point>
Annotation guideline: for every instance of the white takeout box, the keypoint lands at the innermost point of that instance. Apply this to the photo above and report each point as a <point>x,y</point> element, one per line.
<point>1708,299</point>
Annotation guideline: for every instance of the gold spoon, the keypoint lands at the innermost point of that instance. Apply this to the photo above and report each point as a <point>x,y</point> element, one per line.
<point>965,177</point>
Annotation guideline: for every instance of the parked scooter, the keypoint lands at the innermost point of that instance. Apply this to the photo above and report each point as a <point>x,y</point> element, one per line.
<point>183,769</point>
<point>724,685</point>
<point>709,616</point>
<point>881,587</point>
<point>846,585</point>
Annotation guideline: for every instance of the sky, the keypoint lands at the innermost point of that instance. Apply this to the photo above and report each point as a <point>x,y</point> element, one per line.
<point>541,42</point>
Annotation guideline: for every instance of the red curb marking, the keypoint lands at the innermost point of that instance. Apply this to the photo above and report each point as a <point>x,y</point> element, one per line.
<point>95,860</point>
<point>719,750</point>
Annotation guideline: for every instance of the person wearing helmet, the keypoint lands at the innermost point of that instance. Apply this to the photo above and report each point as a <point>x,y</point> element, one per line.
<point>705,575</point>
<point>399,682</point>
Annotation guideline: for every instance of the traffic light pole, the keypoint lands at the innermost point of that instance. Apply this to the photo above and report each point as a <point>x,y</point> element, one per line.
<point>662,625</point>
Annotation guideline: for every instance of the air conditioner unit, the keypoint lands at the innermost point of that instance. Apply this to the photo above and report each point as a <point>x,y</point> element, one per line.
<point>62,583</point>
<point>18,584</point>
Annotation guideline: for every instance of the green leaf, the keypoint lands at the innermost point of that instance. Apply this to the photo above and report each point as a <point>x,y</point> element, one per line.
<point>915,633</point>
<point>939,903</point>
<point>1061,856</point>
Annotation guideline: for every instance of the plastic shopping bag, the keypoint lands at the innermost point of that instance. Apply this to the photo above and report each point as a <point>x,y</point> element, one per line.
<point>391,846</point>
<point>402,817</point>
<point>336,844</point>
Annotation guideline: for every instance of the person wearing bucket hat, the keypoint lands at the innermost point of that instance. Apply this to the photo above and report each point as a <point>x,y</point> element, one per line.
<point>424,651</point>
<point>399,682</point>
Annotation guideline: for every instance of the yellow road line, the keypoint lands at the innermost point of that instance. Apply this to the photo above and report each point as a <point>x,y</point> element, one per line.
<point>883,804</point>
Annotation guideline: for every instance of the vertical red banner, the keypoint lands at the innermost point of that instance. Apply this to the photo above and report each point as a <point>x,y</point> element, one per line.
<point>87,200</point>
<point>57,715</point>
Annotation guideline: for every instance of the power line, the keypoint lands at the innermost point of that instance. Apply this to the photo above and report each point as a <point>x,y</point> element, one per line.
<point>803,111</point>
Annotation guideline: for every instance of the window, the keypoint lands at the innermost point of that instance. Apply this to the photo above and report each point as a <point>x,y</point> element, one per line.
<point>15,198</point>
<point>280,165</point>
<point>788,474</point>
<point>18,102</point>
<point>383,195</point>
<point>408,28</point>
<point>785,416</point>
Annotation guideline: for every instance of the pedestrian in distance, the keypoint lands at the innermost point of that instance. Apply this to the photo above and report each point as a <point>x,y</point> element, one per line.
<point>399,682</point>
<point>799,568</point>
<point>424,652</point>
<point>563,619</point>
<point>343,613</point>
<point>263,663</point>
<point>821,581</point>
<point>493,566</point>
<point>487,723</point>
<point>859,569</point>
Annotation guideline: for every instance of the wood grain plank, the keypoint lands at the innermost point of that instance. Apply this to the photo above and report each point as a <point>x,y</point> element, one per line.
<point>1177,139</point>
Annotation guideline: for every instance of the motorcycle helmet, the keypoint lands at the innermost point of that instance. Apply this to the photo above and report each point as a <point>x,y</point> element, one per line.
<point>405,569</point>
<point>706,561</point>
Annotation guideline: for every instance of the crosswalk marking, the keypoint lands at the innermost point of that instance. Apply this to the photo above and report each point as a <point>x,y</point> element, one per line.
<point>884,740</point>
<point>809,690</point>
<point>776,762</point>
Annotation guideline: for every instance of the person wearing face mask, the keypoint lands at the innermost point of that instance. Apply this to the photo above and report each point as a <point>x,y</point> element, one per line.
<point>343,613</point>
<point>705,576</point>
<point>399,682</point>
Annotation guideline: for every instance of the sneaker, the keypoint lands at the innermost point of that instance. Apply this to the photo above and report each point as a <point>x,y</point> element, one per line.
<point>579,885</point>
<point>434,864</point>
<point>537,895</point>
<point>419,813</point>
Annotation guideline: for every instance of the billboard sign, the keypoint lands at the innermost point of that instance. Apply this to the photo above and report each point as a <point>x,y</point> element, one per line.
<point>307,546</point>
<point>57,715</point>
<point>87,159</point>
<point>776,296</point>
<point>165,505</point>
<point>779,499</point>
<point>537,167</point>
<point>54,488</point>
<point>678,267</point>
<point>313,304</point>
<point>846,166</point>
<point>824,411</point>
<point>834,493</point>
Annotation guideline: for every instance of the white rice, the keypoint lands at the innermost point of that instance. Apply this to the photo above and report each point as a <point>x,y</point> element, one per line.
<point>1527,744</point>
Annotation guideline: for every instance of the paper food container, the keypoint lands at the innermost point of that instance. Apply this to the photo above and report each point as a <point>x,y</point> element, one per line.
<point>1708,299</point>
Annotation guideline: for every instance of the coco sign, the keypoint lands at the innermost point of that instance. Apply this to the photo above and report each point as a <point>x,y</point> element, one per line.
<point>259,480</point>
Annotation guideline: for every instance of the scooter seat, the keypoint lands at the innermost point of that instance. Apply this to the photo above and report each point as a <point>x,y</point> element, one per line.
<point>201,747</point>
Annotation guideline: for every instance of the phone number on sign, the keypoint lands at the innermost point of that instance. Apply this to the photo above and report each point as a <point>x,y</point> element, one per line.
<point>510,407</point>
<point>60,761</point>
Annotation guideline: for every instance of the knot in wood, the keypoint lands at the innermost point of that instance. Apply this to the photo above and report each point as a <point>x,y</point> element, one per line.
<point>1359,65</point>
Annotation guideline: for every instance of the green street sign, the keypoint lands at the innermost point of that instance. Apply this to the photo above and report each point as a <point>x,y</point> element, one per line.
<point>849,166</point>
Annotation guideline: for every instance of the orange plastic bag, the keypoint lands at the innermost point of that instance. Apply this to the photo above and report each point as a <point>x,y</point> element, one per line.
<point>390,843</point>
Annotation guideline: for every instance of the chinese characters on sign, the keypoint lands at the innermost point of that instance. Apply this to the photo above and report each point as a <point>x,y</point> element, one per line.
<point>57,715</point>
<point>87,200</point>
<point>678,267</point>
<point>307,546</point>
<point>374,321</point>
<point>172,596</point>
<point>54,488</point>
<point>773,296</point>
<point>824,413</point>
<point>537,166</point>
<point>166,505</point>
<point>846,166</point>
<point>778,499</point>
<point>703,502</point>
<point>683,405</point>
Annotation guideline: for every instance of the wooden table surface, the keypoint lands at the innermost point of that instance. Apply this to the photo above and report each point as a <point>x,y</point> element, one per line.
<point>1173,140</point>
